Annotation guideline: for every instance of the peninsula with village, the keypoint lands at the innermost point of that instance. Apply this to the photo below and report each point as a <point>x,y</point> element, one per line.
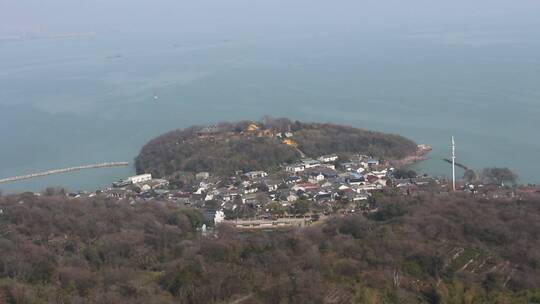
<point>260,172</point>
<point>279,173</point>
<point>256,211</point>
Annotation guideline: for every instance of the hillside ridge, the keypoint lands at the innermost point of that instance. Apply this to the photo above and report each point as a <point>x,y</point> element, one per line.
<point>247,146</point>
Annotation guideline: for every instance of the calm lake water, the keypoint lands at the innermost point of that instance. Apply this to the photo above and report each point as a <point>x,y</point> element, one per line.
<point>68,102</point>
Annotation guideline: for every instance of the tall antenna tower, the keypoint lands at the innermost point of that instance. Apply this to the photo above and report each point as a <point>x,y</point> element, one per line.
<point>453,164</point>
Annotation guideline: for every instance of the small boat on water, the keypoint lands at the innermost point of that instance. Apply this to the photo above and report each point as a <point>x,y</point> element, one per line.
<point>116,56</point>
<point>156,97</point>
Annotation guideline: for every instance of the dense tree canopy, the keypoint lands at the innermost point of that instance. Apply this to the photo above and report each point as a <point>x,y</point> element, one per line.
<point>319,139</point>
<point>229,147</point>
<point>499,176</point>
<point>423,249</point>
<point>404,173</point>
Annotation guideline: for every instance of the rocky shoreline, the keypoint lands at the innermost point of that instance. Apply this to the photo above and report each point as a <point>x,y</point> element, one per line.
<point>421,154</point>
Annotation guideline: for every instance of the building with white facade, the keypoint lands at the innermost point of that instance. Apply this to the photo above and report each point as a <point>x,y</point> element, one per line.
<point>140,178</point>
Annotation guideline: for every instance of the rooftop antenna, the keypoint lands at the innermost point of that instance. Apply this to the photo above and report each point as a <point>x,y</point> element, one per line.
<point>453,164</point>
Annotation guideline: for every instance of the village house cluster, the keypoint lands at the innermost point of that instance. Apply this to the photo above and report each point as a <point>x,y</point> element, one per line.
<point>321,186</point>
<point>293,195</point>
<point>312,187</point>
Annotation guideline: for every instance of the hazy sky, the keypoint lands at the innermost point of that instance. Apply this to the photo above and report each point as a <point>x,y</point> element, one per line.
<point>181,16</point>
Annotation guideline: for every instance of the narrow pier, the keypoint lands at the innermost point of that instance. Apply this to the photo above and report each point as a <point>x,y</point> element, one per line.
<point>64,170</point>
<point>462,166</point>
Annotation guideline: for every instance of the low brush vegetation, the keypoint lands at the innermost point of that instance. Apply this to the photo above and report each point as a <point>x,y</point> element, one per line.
<point>424,249</point>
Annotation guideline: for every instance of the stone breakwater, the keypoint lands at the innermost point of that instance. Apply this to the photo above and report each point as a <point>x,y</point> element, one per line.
<point>64,170</point>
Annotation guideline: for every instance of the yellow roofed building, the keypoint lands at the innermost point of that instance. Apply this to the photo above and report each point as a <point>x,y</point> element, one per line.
<point>290,142</point>
<point>252,128</point>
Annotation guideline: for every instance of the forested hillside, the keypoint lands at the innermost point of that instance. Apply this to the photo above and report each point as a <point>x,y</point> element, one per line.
<point>425,249</point>
<point>319,139</point>
<point>228,147</point>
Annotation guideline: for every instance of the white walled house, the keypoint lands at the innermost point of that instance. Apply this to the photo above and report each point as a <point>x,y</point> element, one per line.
<point>251,189</point>
<point>137,179</point>
<point>219,217</point>
<point>380,174</point>
<point>295,168</point>
<point>310,163</point>
<point>256,174</point>
<point>202,175</point>
<point>316,178</point>
<point>328,158</point>
<point>360,170</point>
<point>272,185</point>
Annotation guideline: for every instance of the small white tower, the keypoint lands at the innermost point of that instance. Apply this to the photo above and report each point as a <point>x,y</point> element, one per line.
<point>453,164</point>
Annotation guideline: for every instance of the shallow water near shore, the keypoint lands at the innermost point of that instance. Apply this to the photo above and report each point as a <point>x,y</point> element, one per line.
<point>91,99</point>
